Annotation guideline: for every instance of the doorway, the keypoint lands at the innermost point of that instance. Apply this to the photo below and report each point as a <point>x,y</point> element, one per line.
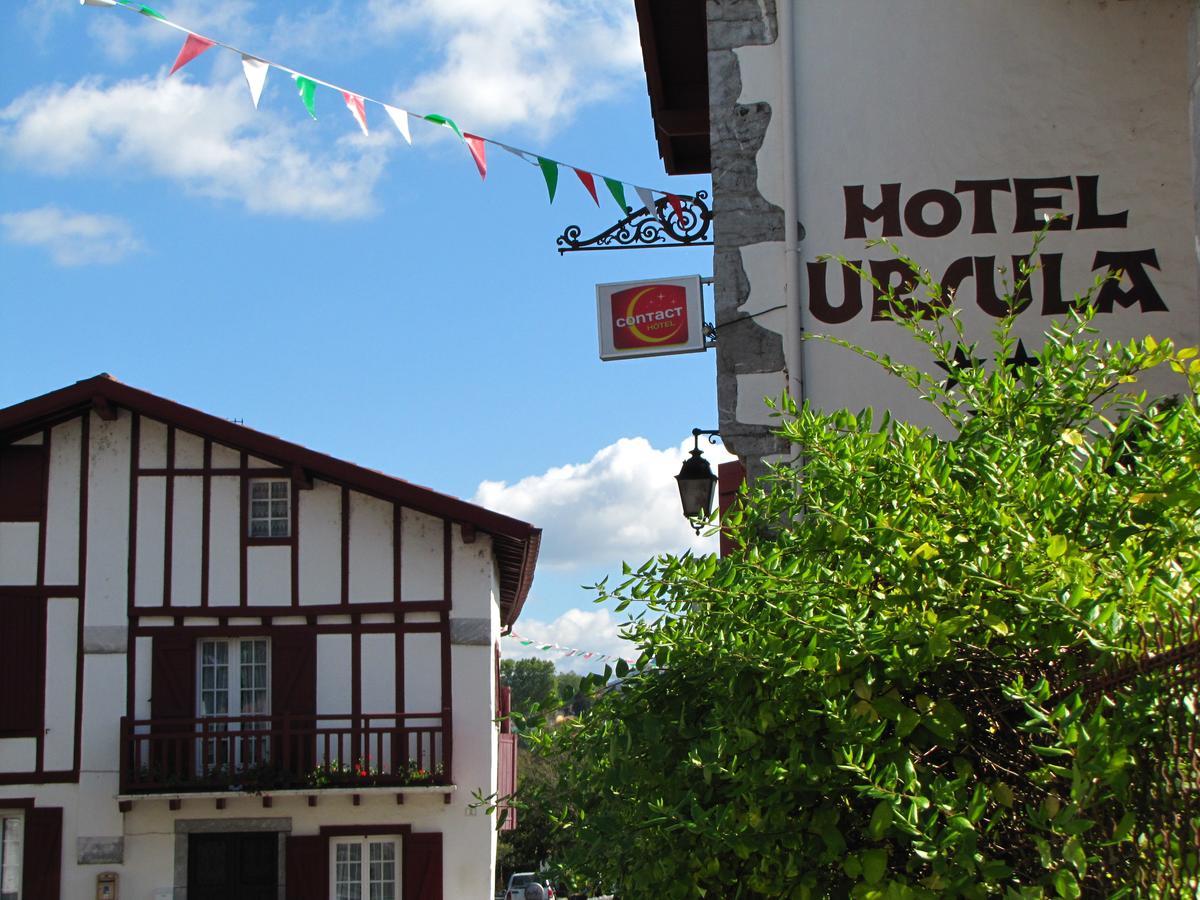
<point>235,866</point>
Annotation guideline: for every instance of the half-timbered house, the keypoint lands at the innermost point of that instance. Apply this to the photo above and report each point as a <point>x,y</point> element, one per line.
<point>234,667</point>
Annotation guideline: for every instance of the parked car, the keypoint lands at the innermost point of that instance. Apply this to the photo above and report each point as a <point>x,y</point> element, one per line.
<point>519,881</point>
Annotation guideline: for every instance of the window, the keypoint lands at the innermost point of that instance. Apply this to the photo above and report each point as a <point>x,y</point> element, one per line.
<point>270,508</point>
<point>234,681</point>
<point>22,490</point>
<point>365,868</point>
<point>11,831</point>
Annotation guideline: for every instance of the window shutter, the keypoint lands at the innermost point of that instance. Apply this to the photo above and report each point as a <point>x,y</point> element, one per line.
<point>423,865</point>
<point>307,867</point>
<point>730,476</point>
<point>294,693</point>
<point>43,853</point>
<point>173,677</point>
<point>172,696</point>
<point>22,484</point>
<point>506,780</point>
<point>22,665</point>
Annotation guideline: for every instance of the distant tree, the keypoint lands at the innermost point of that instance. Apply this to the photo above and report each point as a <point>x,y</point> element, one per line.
<point>533,684</point>
<point>568,686</point>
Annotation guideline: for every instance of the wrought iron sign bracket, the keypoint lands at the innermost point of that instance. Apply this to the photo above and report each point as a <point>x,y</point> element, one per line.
<point>643,229</point>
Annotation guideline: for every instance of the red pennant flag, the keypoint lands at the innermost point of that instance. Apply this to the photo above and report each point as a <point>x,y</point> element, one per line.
<point>476,145</point>
<point>354,103</point>
<point>588,182</point>
<point>192,47</point>
<point>677,206</point>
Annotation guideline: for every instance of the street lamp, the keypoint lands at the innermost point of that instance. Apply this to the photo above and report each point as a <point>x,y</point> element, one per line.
<point>697,483</point>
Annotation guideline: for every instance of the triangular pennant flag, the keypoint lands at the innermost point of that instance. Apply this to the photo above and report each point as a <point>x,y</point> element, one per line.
<point>476,145</point>
<point>400,119</point>
<point>550,173</point>
<point>547,646</point>
<point>618,191</point>
<point>647,197</point>
<point>588,655</point>
<point>677,206</point>
<point>526,643</point>
<point>192,47</point>
<point>152,13</point>
<point>308,93</point>
<point>354,103</point>
<point>588,182</point>
<point>256,76</point>
<point>448,122</point>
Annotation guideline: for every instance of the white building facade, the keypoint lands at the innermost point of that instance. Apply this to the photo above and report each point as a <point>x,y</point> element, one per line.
<point>234,667</point>
<point>950,128</point>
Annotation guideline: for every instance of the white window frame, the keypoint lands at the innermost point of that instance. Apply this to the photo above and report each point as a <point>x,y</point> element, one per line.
<point>6,874</point>
<point>233,693</point>
<point>270,519</point>
<point>364,842</point>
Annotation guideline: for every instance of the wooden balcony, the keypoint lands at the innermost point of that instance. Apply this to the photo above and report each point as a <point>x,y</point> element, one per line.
<point>264,754</point>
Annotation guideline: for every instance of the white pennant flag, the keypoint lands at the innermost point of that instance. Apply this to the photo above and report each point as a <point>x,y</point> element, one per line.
<point>647,196</point>
<point>256,76</point>
<point>400,119</point>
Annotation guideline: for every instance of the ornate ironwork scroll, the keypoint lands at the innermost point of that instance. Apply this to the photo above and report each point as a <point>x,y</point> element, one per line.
<point>643,229</point>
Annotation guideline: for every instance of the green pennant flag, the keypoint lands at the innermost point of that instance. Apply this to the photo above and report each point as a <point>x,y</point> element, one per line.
<point>447,121</point>
<point>154,14</point>
<point>550,173</point>
<point>618,191</point>
<point>308,93</point>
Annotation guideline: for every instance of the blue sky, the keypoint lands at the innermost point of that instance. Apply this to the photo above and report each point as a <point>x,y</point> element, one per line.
<point>366,298</point>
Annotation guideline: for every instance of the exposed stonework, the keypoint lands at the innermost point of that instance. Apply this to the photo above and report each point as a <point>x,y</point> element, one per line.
<point>92,851</point>
<point>741,217</point>
<point>471,632</point>
<point>105,639</point>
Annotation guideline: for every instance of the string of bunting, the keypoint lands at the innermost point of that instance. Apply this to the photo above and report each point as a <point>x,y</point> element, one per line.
<point>256,69</point>
<point>551,647</point>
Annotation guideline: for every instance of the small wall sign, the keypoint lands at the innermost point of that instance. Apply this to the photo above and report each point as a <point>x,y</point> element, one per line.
<point>650,318</point>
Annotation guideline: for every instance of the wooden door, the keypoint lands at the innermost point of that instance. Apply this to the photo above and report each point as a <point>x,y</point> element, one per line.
<point>233,866</point>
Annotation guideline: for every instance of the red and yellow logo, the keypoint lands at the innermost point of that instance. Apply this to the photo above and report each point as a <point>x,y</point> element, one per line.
<point>649,316</point>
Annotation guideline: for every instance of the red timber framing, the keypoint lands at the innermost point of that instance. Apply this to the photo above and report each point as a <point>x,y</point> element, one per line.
<point>40,594</point>
<point>515,543</point>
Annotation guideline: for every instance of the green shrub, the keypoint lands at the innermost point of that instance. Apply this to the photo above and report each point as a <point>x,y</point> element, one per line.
<point>888,688</point>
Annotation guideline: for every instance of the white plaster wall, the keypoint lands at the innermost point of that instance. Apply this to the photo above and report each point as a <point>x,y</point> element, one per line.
<point>379,686</point>
<point>187,526</point>
<point>108,521</point>
<point>269,576</point>
<point>103,706</point>
<point>19,552</point>
<point>33,440</point>
<point>467,839</point>
<point>224,540</point>
<point>143,648</point>
<point>320,543</point>
<point>62,652</point>
<point>423,672</point>
<point>471,569</point>
<point>152,446</point>
<point>62,507</point>
<point>421,543</point>
<point>151,540</point>
<point>333,684</point>
<point>930,91</point>
<point>18,754</point>
<point>225,457</point>
<point>371,560</point>
<point>189,450</point>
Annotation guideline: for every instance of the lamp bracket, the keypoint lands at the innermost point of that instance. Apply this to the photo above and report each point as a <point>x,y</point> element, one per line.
<point>643,229</point>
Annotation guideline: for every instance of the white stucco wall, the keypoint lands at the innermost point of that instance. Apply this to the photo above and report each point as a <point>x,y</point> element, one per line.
<point>421,541</point>
<point>371,559</point>
<point>321,544</point>
<point>926,93</point>
<point>62,506</point>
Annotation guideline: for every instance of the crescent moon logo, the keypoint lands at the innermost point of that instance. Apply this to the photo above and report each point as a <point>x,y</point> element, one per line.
<point>638,333</point>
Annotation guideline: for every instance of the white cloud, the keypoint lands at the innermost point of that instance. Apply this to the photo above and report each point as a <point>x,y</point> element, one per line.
<point>71,238</point>
<point>594,631</point>
<point>522,62</point>
<point>209,139</point>
<point>623,504</point>
<point>120,35</point>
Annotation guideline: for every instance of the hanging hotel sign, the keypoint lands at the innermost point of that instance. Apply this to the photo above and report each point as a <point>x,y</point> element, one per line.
<point>650,318</point>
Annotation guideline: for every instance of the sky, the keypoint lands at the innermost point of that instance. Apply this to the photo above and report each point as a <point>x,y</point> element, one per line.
<point>369,299</point>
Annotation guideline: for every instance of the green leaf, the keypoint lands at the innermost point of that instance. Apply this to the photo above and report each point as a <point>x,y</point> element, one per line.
<point>881,819</point>
<point>874,865</point>
<point>1073,853</point>
<point>1057,546</point>
<point>1066,885</point>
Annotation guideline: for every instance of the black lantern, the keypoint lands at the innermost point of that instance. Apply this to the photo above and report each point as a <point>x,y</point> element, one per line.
<point>697,483</point>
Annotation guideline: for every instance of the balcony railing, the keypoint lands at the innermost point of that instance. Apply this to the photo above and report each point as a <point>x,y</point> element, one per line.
<point>265,753</point>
